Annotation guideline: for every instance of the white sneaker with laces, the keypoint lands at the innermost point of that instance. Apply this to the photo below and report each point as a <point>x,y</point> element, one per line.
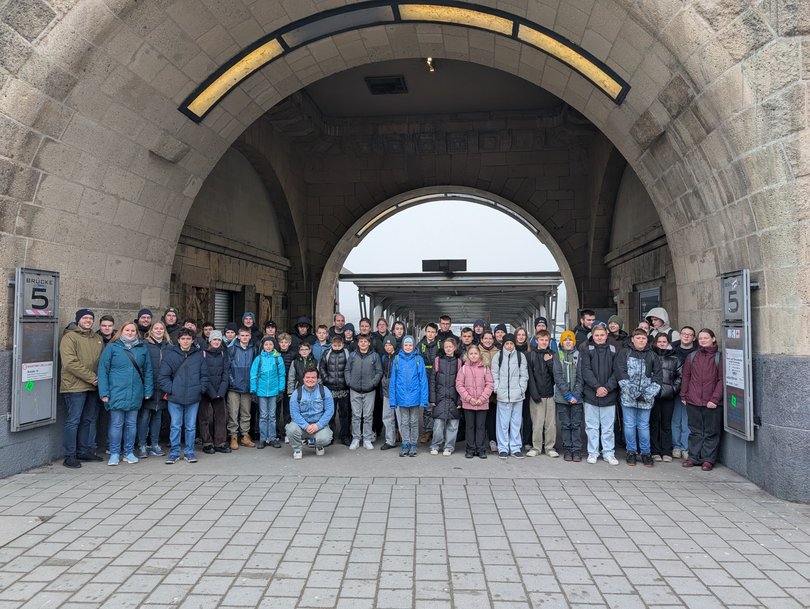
<point>532,453</point>
<point>320,451</point>
<point>447,453</point>
<point>612,460</point>
<point>298,454</point>
<point>591,459</point>
<point>553,454</point>
<point>434,451</point>
<point>368,445</point>
<point>354,445</point>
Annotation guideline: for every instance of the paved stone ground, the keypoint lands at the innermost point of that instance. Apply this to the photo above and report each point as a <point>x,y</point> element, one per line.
<point>356,530</point>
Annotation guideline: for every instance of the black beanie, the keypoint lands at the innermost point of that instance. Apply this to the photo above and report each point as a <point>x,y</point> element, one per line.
<point>82,312</point>
<point>231,326</point>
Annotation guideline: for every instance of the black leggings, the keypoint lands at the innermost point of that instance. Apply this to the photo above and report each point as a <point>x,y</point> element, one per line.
<point>661,426</point>
<point>475,432</point>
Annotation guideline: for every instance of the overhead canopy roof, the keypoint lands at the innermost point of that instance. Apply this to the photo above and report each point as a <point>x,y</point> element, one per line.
<point>496,297</point>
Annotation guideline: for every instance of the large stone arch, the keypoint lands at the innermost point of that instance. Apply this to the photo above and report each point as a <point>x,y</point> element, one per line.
<point>99,169</point>
<point>324,305</point>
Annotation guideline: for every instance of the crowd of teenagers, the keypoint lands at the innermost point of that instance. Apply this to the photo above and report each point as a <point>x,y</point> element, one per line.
<point>656,392</point>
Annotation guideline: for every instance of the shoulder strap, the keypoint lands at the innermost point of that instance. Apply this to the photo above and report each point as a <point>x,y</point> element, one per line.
<point>301,389</point>
<point>717,359</point>
<point>134,363</point>
<point>500,359</point>
<point>692,356</point>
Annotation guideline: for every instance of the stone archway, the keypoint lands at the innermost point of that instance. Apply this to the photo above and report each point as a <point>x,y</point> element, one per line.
<point>324,305</point>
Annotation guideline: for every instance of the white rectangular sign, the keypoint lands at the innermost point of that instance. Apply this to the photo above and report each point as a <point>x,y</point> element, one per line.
<point>37,371</point>
<point>735,368</point>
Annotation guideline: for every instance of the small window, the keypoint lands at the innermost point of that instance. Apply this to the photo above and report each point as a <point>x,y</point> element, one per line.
<point>223,308</point>
<point>648,299</point>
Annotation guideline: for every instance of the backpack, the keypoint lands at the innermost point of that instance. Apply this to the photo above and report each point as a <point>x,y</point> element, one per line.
<point>694,353</point>
<point>301,392</point>
<point>500,358</point>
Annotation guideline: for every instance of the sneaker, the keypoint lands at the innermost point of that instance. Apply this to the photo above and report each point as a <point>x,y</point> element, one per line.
<point>591,459</point>
<point>286,440</point>
<point>222,449</point>
<point>482,454</point>
<point>434,451</point>
<point>209,450</point>
<point>493,446</point>
<point>517,455</point>
<point>72,463</point>
<point>576,458</point>
<point>298,454</point>
<point>447,453</point>
<point>320,451</point>
<point>676,453</point>
<point>275,443</point>
<point>647,460</point>
<point>131,459</point>
<point>568,456</point>
<point>89,457</point>
<point>172,459</point>
<point>404,450</point>
<point>684,454</point>
<point>631,459</point>
<point>532,453</point>
<point>412,451</point>
<point>657,458</point>
<point>553,454</point>
<point>261,444</point>
<point>469,455</point>
<point>503,455</point>
<point>155,450</point>
<point>707,467</point>
<point>688,463</point>
<point>354,445</point>
<point>143,453</point>
<point>113,460</point>
<point>612,459</point>
<point>386,446</point>
<point>667,459</point>
<point>368,445</point>
<point>190,457</point>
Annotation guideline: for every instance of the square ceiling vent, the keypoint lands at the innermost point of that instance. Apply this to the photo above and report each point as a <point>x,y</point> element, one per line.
<point>386,85</point>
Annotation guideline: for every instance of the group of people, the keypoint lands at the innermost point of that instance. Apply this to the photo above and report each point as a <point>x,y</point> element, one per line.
<point>257,388</point>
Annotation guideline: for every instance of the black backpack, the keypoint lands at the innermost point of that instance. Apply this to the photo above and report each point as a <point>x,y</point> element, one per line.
<point>500,358</point>
<point>301,392</point>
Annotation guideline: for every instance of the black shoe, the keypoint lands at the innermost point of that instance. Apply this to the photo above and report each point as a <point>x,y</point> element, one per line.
<point>209,450</point>
<point>89,457</point>
<point>72,462</point>
<point>346,441</point>
<point>221,449</point>
<point>276,443</point>
<point>468,455</point>
<point>503,455</point>
<point>568,456</point>
<point>647,460</point>
<point>261,444</point>
<point>386,446</point>
<point>631,459</point>
<point>517,455</point>
<point>577,458</point>
<point>482,454</point>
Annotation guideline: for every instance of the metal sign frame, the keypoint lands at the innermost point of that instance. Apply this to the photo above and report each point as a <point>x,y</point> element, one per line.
<point>36,349</point>
<point>738,393</point>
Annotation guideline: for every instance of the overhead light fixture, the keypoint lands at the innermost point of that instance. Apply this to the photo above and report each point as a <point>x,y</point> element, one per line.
<point>429,63</point>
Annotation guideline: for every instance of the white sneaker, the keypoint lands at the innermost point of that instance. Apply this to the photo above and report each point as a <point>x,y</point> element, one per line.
<point>286,440</point>
<point>298,454</point>
<point>684,455</point>
<point>354,445</point>
<point>320,451</point>
<point>368,445</point>
<point>676,453</point>
<point>612,460</point>
<point>493,446</point>
<point>447,453</point>
<point>591,459</point>
<point>553,454</point>
<point>532,453</point>
<point>434,451</point>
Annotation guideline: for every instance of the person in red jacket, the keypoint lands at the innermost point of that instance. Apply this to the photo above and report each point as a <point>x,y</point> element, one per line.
<point>702,393</point>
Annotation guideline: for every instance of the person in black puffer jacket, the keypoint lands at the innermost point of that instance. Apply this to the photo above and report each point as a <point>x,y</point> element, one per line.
<point>183,378</point>
<point>600,391</point>
<point>664,406</point>
<point>444,397</point>
<point>388,413</point>
<point>213,411</point>
<point>333,375</point>
<point>151,413</point>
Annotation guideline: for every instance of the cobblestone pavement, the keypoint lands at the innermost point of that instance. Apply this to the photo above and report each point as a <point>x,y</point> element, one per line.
<point>368,529</point>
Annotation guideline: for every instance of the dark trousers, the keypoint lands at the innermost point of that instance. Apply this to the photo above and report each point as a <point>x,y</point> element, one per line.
<point>475,431</point>
<point>491,424</point>
<point>526,429</point>
<point>343,409</point>
<point>213,412</point>
<point>661,426</point>
<point>618,426</point>
<point>377,419</point>
<point>102,425</point>
<point>282,414</point>
<point>570,416</point>
<point>705,426</point>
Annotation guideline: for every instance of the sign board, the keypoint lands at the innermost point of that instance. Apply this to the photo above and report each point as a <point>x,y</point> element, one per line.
<point>738,413</point>
<point>36,349</point>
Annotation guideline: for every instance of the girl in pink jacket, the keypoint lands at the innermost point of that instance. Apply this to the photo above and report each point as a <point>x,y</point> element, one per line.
<point>474,385</point>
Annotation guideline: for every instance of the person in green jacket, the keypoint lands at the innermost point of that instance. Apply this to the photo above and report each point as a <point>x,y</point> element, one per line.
<point>125,379</point>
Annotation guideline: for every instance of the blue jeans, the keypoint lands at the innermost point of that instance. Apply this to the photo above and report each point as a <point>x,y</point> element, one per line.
<point>80,423</point>
<point>597,417</point>
<point>183,416</point>
<point>444,434</point>
<point>149,425</point>
<point>267,419</point>
<point>124,421</point>
<point>680,426</point>
<point>636,419</point>
<point>510,416</point>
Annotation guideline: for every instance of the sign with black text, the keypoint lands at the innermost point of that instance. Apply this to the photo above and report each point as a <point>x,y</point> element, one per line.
<point>738,411</point>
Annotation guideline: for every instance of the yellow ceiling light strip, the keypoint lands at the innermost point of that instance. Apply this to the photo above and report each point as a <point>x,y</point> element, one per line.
<point>234,75</point>
<point>571,57</point>
<point>460,16</point>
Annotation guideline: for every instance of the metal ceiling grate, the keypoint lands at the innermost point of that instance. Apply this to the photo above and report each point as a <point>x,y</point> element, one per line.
<point>386,85</point>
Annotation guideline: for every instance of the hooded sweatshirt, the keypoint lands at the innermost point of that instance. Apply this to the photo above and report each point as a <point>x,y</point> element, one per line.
<point>661,313</point>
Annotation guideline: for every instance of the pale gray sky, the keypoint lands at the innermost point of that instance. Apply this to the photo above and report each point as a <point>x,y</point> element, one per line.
<point>488,239</point>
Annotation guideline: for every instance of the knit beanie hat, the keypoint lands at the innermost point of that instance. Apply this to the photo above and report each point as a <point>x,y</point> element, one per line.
<point>509,338</point>
<point>82,312</point>
<point>231,326</point>
<point>500,327</point>
<point>617,319</point>
<point>171,310</point>
<point>390,340</point>
<point>480,322</point>
<point>538,320</point>
<point>268,339</point>
<point>349,327</point>
<point>214,334</point>
<point>248,314</point>
<point>407,339</point>
<point>144,312</point>
<point>566,335</point>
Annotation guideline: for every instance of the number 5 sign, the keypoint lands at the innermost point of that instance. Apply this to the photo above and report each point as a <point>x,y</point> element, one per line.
<point>736,290</point>
<point>39,293</point>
